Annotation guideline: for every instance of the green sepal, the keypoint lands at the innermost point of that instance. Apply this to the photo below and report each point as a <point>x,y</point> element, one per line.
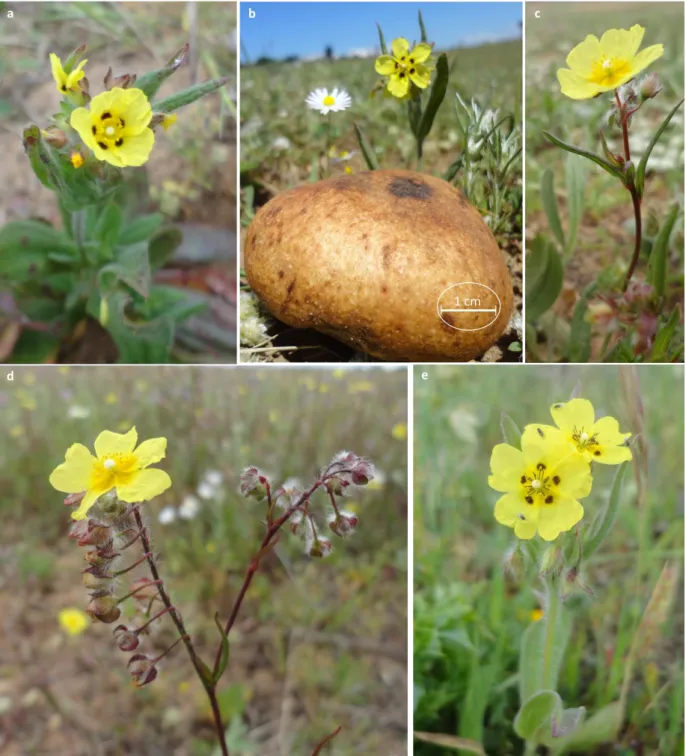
<point>187,96</point>
<point>224,657</point>
<point>150,82</point>
<point>74,58</point>
<point>511,433</point>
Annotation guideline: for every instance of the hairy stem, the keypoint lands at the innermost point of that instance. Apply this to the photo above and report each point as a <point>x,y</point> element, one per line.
<point>178,621</point>
<point>326,740</point>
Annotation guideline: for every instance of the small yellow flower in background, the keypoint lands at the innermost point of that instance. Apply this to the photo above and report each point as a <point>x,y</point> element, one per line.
<point>26,401</point>
<point>273,417</point>
<point>66,82</point>
<point>183,686</point>
<point>597,440</point>
<point>74,621</point>
<point>115,128</point>
<point>347,169</point>
<point>601,65</point>
<point>242,391</point>
<point>63,370</point>
<point>17,431</point>
<point>324,388</point>
<point>111,398</point>
<point>169,120</point>
<point>76,159</point>
<point>118,464</point>
<point>29,379</point>
<point>399,431</point>
<point>141,385</point>
<point>536,615</point>
<point>211,547</point>
<point>405,66</point>
<point>338,373</point>
<point>542,483</point>
<point>124,425</point>
<point>360,387</point>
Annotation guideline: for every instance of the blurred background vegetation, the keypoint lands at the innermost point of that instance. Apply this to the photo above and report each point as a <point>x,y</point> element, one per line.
<point>317,644</point>
<point>283,142</point>
<point>190,176</point>
<point>469,614</point>
<point>600,246</point>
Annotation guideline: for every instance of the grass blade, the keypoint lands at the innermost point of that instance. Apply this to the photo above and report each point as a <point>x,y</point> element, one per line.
<point>550,206</point>
<point>643,165</point>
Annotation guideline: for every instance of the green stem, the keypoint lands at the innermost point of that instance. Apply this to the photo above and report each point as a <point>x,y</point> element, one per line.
<point>328,144</point>
<point>553,604</point>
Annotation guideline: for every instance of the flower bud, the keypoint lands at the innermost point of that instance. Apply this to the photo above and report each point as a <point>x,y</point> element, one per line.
<point>56,138</point>
<point>650,86</point>
<point>142,669</point>
<point>550,559</point>
<point>94,579</point>
<point>104,609</point>
<point>96,534</point>
<point>337,486</point>
<point>319,547</point>
<point>101,557</point>
<point>123,82</point>
<point>254,483</point>
<point>343,524</point>
<point>362,472</point>
<point>127,640</point>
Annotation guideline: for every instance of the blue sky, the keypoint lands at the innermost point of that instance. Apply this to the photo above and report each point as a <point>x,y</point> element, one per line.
<point>305,29</point>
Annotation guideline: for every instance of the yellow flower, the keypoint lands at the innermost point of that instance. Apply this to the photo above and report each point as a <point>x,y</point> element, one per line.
<point>542,483</point>
<point>536,615</point>
<point>601,65</point>
<point>118,465</point>
<point>63,370</point>
<point>141,385</point>
<point>324,388</point>
<point>111,398</point>
<point>360,387</point>
<point>347,169</point>
<point>168,120</point>
<point>66,82</point>
<point>338,373</point>
<point>29,379</point>
<point>116,127</point>
<point>597,440</point>
<point>17,431</point>
<point>211,547</point>
<point>74,621</point>
<point>399,431</point>
<point>405,66</point>
<point>76,159</point>
<point>26,401</point>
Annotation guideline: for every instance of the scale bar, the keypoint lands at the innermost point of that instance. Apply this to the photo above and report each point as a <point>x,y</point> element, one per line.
<point>468,309</point>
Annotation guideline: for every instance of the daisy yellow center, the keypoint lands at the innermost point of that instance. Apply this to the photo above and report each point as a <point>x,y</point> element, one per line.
<point>113,470</point>
<point>108,130</point>
<point>329,100</point>
<point>608,72</point>
<point>539,486</point>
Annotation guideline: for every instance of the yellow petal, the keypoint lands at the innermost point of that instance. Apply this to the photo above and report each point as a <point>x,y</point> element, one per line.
<point>558,518</point>
<point>144,485</point>
<point>136,107</point>
<point>151,451</point>
<point>105,102</point>
<point>400,47</point>
<point>608,432</point>
<point>57,71</point>
<point>574,472</point>
<point>574,86</point>
<point>421,52</point>
<point>507,464</point>
<point>541,442</point>
<point>73,475</point>
<point>385,65</point>
<point>87,502</point>
<point>526,529</point>
<point>115,443</point>
<point>421,77</point>
<point>398,87</point>
<point>508,508</point>
<point>577,413</point>
<point>136,149</point>
<point>622,43</point>
<point>646,57</point>
<point>585,55</point>
<point>81,120</point>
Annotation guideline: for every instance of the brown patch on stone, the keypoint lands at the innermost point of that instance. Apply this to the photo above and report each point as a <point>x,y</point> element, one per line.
<point>410,188</point>
<point>384,289</point>
<point>281,274</point>
<point>387,251</point>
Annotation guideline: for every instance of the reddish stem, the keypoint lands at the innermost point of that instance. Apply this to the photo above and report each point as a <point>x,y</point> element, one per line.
<point>152,619</point>
<point>157,582</point>
<point>175,643</point>
<point>131,566</point>
<point>326,740</point>
<point>625,130</point>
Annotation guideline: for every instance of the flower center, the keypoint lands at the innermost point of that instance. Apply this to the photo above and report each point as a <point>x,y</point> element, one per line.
<point>585,441</point>
<point>108,130</point>
<point>538,486</point>
<point>113,470</point>
<point>109,463</point>
<point>329,100</point>
<point>609,72</point>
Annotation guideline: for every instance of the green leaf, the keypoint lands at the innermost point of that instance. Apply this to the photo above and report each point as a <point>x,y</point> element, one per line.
<point>436,96</point>
<point>163,245</point>
<point>657,263</point>
<point>139,343</point>
<point>366,148</point>
<point>382,41</point>
<point>189,95</point>
<point>422,28</point>
<point>451,741</point>
<point>585,153</point>
<point>544,277</point>
<point>533,649</point>
<point>108,225</point>
<point>550,206</point>
<point>537,712</point>
<point>25,247</point>
<point>604,520</point>
<point>579,346</point>
<point>170,302</point>
<point>452,171</point>
<point>224,658</point>
<point>150,82</point>
<point>643,164</point>
<point>621,352</point>
<point>132,266</point>
<point>664,337</point>
<point>140,229</point>
<point>32,139</point>
<point>575,174</point>
<point>511,433</point>
<point>35,347</point>
<point>602,727</point>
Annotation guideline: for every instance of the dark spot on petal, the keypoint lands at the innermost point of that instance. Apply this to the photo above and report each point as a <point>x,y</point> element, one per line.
<point>556,480</point>
<point>556,406</point>
<point>121,123</point>
<point>540,466</point>
<point>412,70</point>
<point>548,499</point>
<point>596,454</point>
<point>540,433</point>
<point>119,142</point>
<point>529,499</point>
<point>401,75</point>
<point>522,480</point>
<point>63,88</point>
<point>521,516</point>
<point>106,115</point>
<point>102,145</point>
<point>94,130</point>
<point>409,187</point>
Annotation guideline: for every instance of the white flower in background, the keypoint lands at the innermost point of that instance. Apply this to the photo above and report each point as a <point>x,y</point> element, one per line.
<point>341,157</point>
<point>77,412</point>
<point>281,143</point>
<point>325,103</point>
<point>190,506</point>
<point>167,515</point>
<point>213,478</point>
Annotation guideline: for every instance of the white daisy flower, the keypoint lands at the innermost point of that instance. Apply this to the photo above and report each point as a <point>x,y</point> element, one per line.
<point>325,103</point>
<point>190,507</point>
<point>167,515</point>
